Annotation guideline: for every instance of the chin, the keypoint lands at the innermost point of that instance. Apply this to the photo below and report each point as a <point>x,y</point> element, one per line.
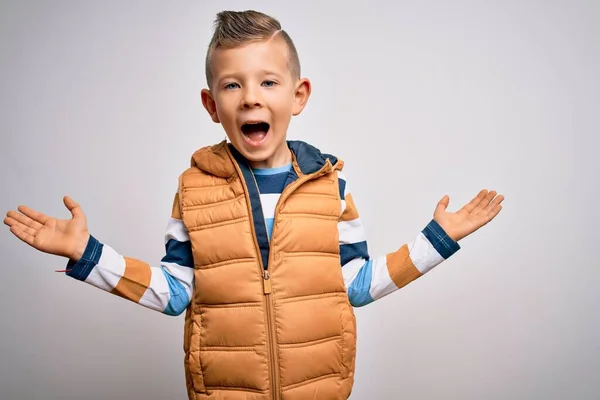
<point>257,155</point>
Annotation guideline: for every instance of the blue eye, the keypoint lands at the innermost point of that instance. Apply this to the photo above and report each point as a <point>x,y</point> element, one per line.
<point>268,83</point>
<point>231,86</point>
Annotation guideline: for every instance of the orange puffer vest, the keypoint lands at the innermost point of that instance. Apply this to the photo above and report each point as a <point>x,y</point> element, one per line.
<point>266,320</point>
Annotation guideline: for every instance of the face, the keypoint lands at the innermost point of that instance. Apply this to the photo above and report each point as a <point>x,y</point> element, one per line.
<point>254,96</point>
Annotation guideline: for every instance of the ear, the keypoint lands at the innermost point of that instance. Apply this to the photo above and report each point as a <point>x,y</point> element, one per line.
<point>208,101</point>
<point>301,95</point>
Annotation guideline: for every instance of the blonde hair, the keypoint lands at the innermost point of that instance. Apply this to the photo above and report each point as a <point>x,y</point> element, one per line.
<point>237,28</point>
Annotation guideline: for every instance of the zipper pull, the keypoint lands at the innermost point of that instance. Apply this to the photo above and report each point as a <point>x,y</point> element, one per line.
<point>266,281</point>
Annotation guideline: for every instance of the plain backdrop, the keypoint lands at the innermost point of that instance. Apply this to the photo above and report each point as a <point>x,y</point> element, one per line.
<point>100,100</point>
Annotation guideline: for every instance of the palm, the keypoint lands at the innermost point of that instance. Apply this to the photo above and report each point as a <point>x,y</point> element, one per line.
<point>478,212</point>
<point>52,236</point>
<point>48,234</point>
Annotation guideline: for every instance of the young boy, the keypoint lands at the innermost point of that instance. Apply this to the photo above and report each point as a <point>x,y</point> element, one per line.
<point>265,250</point>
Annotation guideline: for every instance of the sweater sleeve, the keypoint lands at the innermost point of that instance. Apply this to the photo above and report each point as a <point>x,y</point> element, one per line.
<point>166,288</point>
<point>370,278</point>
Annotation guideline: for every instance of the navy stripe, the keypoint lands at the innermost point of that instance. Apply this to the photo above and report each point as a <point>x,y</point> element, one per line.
<point>91,256</point>
<point>258,219</point>
<point>268,184</point>
<point>440,240</point>
<point>342,184</point>
<point>179,253</point>
<point>292,176</point>
<point>349,252</point>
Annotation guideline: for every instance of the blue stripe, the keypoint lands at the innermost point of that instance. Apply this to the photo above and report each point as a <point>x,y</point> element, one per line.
<point>349,252</point>
<point>269,222</point>
<point>271,171</point>
<point>440,240</point>
<point>179,298</point>
<point>258,219</point>
<point>179,253</point>
<point>342,184</point>
<point>91,256</point>
<point>358,292</point>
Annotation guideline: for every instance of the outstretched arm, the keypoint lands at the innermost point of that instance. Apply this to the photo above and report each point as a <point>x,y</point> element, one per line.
<point>166,288</point>
<point>370,278</point>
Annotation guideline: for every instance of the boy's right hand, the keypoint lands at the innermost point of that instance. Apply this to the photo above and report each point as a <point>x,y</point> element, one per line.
<point>61,237</point>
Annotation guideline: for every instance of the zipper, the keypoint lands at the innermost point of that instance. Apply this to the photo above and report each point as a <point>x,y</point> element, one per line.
<point>272,337</point>
<point>267,286</point>
<point>272,347</point>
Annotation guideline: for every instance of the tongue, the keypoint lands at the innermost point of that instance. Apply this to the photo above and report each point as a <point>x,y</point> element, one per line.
<point>256,135</point>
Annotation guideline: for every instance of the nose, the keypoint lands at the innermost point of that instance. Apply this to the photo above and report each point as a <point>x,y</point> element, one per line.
<point>251,98</point>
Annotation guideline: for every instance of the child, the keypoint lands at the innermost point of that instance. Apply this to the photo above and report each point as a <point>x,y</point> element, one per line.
<point>265,250</point>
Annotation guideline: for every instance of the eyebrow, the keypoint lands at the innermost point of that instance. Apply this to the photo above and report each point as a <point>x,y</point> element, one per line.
<point>269,72</point>
<point>226,77</point>
<point>235,76</point>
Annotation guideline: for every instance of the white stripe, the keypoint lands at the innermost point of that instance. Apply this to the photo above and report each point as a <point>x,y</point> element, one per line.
<point>351,269</point>
<point>185,275</point>
<point>381,282</point>
<point>351,231</point>
<point>176,230</point>
<point>269,202</point>
<point>346,190</point>
<point>109,270</point>
<point>423,255</point>
<point>157,295</point>
<point>342,177</point>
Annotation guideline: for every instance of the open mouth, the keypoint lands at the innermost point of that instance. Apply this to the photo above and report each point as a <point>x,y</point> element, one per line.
<point>255,133</point>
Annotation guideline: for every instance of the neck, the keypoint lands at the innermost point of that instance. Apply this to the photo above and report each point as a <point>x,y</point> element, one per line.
<point>279,159</point>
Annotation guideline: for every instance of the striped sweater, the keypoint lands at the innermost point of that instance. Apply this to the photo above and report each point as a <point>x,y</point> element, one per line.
<point>168,287</point>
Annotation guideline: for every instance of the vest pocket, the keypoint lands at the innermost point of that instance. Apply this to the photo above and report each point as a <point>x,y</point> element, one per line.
<point>192,357</point>
<point>348,338</point>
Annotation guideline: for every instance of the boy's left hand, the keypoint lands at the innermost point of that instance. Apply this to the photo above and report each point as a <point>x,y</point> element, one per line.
<point>478,212</point>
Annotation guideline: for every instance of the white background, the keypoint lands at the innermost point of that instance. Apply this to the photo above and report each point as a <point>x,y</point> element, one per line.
<point>100,101</point>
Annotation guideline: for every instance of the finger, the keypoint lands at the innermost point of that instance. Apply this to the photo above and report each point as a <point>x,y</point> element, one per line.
<point>484,203</point>
<point>34,215</point>
<point>494,211</point>
<point>476,200</point>
<point>22,234</point>
<point>29,231</point>
<point>10,221</point>
<point>497,200</point>
<point>13,223</point>
<point>442,204</point>
<point>73,207</point>
<point>22,219</point>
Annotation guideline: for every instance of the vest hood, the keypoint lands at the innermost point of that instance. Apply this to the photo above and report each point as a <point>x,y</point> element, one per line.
<point>215,159</point>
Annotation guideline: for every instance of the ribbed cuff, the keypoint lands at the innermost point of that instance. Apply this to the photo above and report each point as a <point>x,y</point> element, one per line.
<point>91,256</point>
<point>440,240</point>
